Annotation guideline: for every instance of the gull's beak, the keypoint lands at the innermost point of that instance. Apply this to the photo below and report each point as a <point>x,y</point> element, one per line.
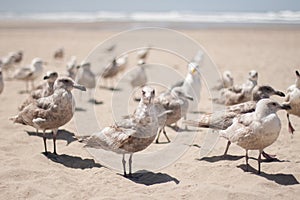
<point>285,107</point>
<point>281,94</point>
<point>46,77</point>
<point>297,73</point>
<point>79,87</point>
<point>193,70</point>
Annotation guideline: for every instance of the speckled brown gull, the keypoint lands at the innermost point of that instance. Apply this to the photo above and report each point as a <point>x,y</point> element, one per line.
<point>221,120</point>
<point>132,135</point>
<point>175,101</point>
<point>52,112</point>
<point>238,94</point>
<point>30,73</point>
<point>293,100</point>
<point>226,81</point>
<point>44,90</point>
<point>256,130</point>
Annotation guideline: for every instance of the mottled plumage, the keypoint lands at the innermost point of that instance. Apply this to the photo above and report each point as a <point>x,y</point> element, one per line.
<point>49,113</point>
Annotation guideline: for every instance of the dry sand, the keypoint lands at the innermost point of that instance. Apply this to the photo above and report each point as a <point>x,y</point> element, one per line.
<point>26,173</point>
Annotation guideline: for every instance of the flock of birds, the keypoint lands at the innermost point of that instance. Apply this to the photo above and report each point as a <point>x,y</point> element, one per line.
<point>248,120</point>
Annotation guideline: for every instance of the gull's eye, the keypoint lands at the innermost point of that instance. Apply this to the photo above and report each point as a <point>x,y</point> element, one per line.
<point>153,92</point>
<point>274,104</point>
<point>143,92</point>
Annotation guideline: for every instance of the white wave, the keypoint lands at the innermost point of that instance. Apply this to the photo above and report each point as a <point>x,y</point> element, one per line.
<point>172,16</point>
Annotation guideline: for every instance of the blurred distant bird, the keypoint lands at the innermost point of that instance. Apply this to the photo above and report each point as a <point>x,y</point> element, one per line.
<point>293,100</point>
<point>72,67</point>
<point>238,94</point>
<point>7,64</point>
<point>139,78</point>
<point>44,90</point>
<point>122,63</point>
<point>86,77</point>
<point>110,71</point>
<point>18,56</point>
<point>52,112</point>
<point>59,53</point>
<point>111,48</point>
<point>30,73</point>
<point>225,82</point>
<point>175,101</point>
<point>142,53</point>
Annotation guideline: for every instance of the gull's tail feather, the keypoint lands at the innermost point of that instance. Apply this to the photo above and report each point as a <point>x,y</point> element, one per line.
<point>82,139</point>
<point>203,121</point>
<point>17,119</point>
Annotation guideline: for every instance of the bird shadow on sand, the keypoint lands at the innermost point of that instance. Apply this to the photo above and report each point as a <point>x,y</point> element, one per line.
<point>150,178</point>
<point>110,88</point>
<point>78,109</point>
<point>62,134</point>
<point>281,179</point>
<point>213,159</point>
<point>72,161</point>
<point>23,92</point>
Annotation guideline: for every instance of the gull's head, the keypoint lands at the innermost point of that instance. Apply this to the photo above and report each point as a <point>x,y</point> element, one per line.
<point>51,76</point>
<point>253,75</point>
<point>178,92</point>
<point>193,68</point>
<point>265,91</point>
<point>141,62</point>
<point>67,84</point>
<point>148,94</point>
<point>269,106</point>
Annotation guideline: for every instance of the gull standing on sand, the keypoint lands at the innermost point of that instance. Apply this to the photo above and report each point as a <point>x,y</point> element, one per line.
<point>1,82</point>
<point>72,67</point>
<point>175,101</point>
<point>136,134</point>
<point>30,73</point>
<point>142,53</point>
<point>122,63</point>
<point>139,78</point>
<point>52,112</point>
<point>256,130</point>
<point>238,94</point>
<point>7,63</point>
<point>225,82</point>
<point>59,53</point>
<point>86,77</point>
<point>221,120</point>
<point>293,100</point>
<point>110,71</point>
<point>44,90</point>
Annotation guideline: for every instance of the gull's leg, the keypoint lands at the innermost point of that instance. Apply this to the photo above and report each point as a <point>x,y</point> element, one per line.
<point>247,158</point>
<point>45,143</point>
<point>124,163</point>
<point>32,85</point>
<point>165,133</point>
<point>54,140</point>
<point>158,135</point>
<point>291,128</point>
<point>27,87</point>
<point>259,161</point>
<point>227,147</point>
<point>130,164</point>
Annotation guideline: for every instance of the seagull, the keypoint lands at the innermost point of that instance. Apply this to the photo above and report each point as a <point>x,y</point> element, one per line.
<point>52,112</point>
<point>72,67</point>
<point>7,63</point>
<point>238,94</point>
<point>175,101</point>
<point>256,130</point>
<point>142,53</point>
<point>122,63</point>
<point>59,53</point>
<point>225,82</point>
<point>18,57</point>
<point>44,90</point>
<point>221,120</point>
<point>1,82</point>
<point>133,135</point>
<point>139,78</point>
<point>293,100</point>
<point>85,76</point>
<point>30,73</point>
<point>111,70</point>
<point>191,85</point>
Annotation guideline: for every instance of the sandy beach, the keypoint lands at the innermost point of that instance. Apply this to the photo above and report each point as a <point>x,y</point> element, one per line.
<point>26,173</point>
